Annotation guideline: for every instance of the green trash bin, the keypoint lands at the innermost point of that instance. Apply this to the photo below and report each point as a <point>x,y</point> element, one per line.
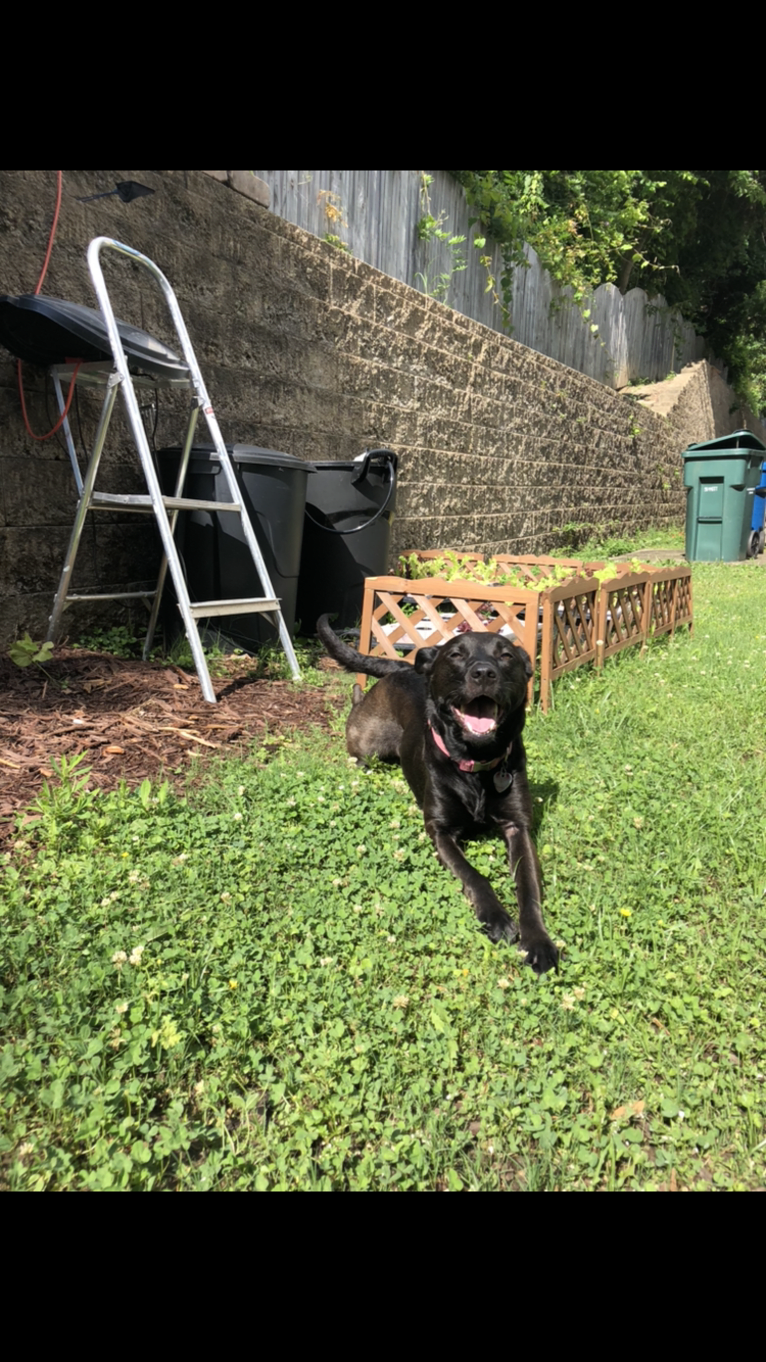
<point>721,477</point>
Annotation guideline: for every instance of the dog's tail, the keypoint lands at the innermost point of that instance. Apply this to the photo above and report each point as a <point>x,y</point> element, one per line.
<point>350,658</point>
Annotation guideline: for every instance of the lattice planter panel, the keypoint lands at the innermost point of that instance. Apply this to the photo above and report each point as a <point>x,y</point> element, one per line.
<point>400,616</point>
<point>671,601</point>
<point>561,627</point>
<point>569,630</point>
<point>624,613</point>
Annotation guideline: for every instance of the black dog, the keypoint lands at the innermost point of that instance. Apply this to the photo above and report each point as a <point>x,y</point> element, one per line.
<point>454,721</point>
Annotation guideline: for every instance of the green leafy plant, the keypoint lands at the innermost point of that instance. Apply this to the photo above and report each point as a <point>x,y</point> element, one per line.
<point>572,535</point>
<point>179,653</point>
<point>608,571</point>
<point>118,640</point>
<point>24,652</point>
<point>333,211</point>
<point>434,232</point>
<point>456,567</point>
<point>65,802</point>
<point>695,236</point>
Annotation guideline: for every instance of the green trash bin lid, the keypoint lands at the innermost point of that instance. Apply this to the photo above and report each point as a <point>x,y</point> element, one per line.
<point>739,439</point>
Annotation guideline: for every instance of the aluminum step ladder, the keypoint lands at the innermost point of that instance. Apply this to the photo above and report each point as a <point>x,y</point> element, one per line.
<point>165,509</point>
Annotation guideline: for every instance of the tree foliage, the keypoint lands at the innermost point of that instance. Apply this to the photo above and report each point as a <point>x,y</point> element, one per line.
<point>698,237</point>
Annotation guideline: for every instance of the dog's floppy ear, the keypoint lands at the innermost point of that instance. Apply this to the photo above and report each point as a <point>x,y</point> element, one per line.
<point>425,659</point>
<point>528,668</point>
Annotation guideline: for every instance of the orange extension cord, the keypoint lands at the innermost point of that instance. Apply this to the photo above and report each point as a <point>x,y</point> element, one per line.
<point>43,273</point>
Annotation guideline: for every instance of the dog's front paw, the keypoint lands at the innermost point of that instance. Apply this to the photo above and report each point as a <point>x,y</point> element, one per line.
<point>498,925</point>
<point>541,954</point>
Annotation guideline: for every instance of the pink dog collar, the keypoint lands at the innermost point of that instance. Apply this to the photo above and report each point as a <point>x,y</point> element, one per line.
<point>469,765</point>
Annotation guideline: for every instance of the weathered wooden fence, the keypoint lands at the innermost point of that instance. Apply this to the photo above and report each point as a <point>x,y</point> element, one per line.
<point>374,214</point>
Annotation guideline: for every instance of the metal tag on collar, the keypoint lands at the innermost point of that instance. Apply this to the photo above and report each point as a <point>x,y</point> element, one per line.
<point>502,779</point>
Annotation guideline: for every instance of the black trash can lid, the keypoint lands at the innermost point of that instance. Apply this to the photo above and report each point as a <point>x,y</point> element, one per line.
<point>244,454</point>
<point>372,458</point>
<point>341,466</point>
<point>739,439</point>
<point>45,331</point>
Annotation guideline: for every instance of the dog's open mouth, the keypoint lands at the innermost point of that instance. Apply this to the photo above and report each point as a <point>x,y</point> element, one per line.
<point>479,716</point>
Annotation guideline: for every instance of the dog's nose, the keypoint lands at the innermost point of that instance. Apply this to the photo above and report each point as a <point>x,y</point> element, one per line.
<point>483,671</point>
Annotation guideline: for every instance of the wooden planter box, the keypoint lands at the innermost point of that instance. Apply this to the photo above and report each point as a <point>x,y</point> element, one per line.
<point>581,620</point>
<point>640,606</point>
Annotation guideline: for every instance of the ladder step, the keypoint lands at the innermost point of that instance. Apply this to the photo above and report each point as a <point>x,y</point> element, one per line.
<point>246,606</point>
<point>114,596</point>
<point>101,500</point>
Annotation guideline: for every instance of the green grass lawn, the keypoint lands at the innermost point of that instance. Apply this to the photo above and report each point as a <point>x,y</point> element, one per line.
<point>587,541</point>
<point>270,983</point>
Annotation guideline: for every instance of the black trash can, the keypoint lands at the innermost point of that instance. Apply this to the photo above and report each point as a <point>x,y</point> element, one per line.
<point>213,549</point>
<point>346,537</point>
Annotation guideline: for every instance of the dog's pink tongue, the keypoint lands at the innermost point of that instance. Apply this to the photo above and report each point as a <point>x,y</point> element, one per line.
<point>478,725</point>
<point>479,716</point>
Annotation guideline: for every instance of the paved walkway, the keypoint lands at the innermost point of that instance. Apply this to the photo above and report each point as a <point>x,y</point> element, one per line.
<point>666,555</point>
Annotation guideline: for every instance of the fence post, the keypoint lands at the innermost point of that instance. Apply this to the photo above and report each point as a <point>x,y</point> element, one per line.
<point>648,613</point>
<point>365,628</point>
<point>602,602</point>
<point>546,653</point>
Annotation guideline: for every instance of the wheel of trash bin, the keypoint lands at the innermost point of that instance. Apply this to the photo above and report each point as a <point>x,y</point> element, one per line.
<point>752,544</point>
<point>761,540</point>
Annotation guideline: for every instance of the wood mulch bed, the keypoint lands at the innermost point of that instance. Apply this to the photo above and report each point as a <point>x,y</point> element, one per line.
<point>134,719</point>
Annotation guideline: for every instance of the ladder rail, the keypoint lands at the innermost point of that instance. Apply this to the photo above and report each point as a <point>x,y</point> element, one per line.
<point>180,480</point>
<point>59,605</point>
<point>139,435</point>
<point>67,429</point>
